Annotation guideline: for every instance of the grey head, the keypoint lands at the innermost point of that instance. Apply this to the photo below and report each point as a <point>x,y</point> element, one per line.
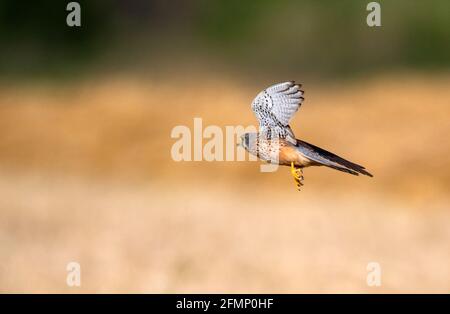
<point>250,142</point>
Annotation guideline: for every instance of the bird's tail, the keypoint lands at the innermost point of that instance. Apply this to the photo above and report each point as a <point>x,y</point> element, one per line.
<point>329,159</point>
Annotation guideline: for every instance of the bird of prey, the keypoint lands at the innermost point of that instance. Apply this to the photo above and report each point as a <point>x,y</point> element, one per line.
<point>276,143</point>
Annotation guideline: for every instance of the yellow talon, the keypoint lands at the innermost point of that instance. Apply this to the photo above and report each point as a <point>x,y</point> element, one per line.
<point>297,174</point>
<point>293,172</point>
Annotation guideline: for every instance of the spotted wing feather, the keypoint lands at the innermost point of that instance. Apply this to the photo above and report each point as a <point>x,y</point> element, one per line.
<point>275,106</point>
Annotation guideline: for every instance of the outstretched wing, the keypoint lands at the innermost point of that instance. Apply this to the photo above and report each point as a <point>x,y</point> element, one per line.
<point>275,106</point>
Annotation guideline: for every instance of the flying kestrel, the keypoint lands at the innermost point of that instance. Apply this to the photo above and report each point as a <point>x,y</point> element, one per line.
<point>276,143</point>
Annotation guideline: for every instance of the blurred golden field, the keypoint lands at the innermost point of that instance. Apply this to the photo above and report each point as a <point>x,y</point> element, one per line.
<point>87,176</point>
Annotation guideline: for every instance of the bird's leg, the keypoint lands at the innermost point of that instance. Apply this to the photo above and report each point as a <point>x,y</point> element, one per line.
<point>297,174</point>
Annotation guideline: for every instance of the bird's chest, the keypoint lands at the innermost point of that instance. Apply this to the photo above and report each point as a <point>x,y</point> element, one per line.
<point>265,150</point>
<point>274,151</point>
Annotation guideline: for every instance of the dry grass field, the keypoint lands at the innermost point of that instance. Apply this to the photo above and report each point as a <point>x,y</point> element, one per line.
<point>86,175</point>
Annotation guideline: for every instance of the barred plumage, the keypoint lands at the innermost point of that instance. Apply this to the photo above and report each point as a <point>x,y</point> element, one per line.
<point>274,107</point>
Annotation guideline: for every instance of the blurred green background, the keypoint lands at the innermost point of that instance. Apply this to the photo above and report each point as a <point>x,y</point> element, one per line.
<point>284,36</point>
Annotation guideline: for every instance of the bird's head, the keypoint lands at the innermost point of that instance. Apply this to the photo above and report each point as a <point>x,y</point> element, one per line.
<point>248,141</point>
